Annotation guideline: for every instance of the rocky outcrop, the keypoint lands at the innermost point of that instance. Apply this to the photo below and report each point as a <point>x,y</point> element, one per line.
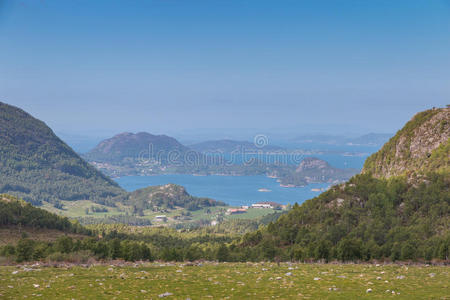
<point>422,145</point>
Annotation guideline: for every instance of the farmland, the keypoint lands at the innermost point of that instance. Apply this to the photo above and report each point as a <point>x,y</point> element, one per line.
<point>225,281</point>
<point>77,209</point>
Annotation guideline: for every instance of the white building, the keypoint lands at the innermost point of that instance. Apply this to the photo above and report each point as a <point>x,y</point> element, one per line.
<point>161,218</point>
<point>261,205</point>
<point>273,205</point>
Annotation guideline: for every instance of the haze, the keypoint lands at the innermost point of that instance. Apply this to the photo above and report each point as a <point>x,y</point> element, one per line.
<point>102,67</point>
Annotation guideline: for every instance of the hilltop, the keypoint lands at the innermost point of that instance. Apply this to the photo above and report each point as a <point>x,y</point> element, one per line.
<point>137,147</point>
<point>37,166</point>
<point>421,146</point>
<point>169,196</point>
<point>140,153</point>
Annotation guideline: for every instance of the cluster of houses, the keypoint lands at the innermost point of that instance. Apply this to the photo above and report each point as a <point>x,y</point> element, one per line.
<point>244,208</point>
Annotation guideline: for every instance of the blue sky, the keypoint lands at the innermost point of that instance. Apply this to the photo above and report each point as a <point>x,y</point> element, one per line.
<point>166,66</point>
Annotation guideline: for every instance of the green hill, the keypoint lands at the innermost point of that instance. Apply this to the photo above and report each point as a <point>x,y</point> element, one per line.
<point>37,166</point>
<point>16,212</point>
<point>380,214</point>
<point>168,196</point>
<point>312,170</point>
<point>140,147</point>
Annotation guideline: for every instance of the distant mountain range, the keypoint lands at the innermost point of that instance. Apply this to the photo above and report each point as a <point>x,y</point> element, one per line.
<point>371,139</point>
<point>230,146</point>
<point>147,154</point>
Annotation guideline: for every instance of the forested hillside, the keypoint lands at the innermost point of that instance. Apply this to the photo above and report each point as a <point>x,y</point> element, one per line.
<point>37,166</point>
<point>399,208</point>
<point>98,241</point>
<point>366,218</point>
<point>14,211</point>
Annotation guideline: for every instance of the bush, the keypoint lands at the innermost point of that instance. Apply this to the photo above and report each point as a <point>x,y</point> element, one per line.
<point>79,257</point>
<point>24,250</point>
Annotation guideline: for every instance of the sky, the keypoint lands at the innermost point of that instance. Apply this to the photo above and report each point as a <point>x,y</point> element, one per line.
<point>187,67</point>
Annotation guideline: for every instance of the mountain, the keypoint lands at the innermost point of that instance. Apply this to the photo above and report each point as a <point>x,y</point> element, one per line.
<point>168,196</point>
<point>229,146</point>
<point>313,170</point>
<point>380,214</point>
<point>421,146</point>
<point>139,147</point>
<point>37,166</point>
<point>129,154</point>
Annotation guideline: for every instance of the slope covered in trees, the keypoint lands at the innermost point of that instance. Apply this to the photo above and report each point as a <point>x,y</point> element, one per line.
<point>366,218</point>
<point>18,212</point>
<point>98,241</point>
<point>397,209</point>
<point>37,166</point>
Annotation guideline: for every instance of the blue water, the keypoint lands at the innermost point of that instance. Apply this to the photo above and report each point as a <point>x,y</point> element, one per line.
<point>333,154</point>
<point>233,190</point>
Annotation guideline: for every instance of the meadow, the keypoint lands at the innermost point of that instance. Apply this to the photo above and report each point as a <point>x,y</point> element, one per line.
<point>225,281</point>
<point>76,209</point>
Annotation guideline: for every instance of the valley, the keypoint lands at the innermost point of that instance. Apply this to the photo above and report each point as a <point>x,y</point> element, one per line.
<point>395,210</point>
<point>224,149</point>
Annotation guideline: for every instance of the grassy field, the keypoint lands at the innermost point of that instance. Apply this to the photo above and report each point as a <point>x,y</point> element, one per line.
<point>227,281</point>
<point>253,213</point>
<point>74,209</point>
